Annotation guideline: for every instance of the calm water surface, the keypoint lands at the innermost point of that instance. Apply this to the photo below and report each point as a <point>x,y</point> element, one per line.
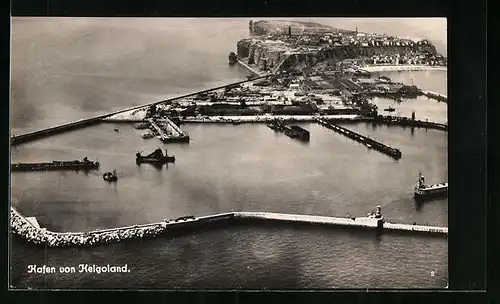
<point>92,67</point>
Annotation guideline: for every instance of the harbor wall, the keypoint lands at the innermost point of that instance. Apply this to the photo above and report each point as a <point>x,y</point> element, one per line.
<point>32,233</point>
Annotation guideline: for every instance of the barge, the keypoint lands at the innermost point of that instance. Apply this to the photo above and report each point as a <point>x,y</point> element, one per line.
<point>423,191</point>
<point>297,132</point>
<point>233,58</point>
<point>156,158</point>
<point>141,125</point>
<point>84,164</point>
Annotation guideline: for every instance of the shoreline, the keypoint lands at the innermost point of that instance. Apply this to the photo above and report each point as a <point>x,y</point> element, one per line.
<point>402,68</point>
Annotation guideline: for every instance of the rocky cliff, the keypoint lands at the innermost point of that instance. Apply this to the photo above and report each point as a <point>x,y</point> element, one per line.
<point>278,27</point>
<point>268,55</point>
<point>283,49</point>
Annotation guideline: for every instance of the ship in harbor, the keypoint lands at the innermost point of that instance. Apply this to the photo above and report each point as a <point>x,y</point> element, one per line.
<point>84,164</point>
<point>297,132</point>
<point>423,191</point>
<point>233,58</point>
<point>141,125</point>
<point>157,157</point>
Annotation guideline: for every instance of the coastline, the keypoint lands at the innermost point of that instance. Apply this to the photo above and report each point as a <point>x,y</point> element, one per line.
<point>397,68</point>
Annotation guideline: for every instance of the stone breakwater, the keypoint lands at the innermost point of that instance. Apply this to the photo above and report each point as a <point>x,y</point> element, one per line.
<point>41,236</point>
<point>23,228</point>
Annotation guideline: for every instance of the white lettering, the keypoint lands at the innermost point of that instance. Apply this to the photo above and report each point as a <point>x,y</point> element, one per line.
<point>102,269</point>
<point>41,269</point>
<point>67,269</point>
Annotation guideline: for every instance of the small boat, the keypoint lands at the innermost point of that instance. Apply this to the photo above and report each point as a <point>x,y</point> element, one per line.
<point>141,125</point>
<point>423,190</point>
<point>116,130</point>
<point>389,109</point>
<point>110,176</point>
<point>147,135</point>
<point>233,58</point>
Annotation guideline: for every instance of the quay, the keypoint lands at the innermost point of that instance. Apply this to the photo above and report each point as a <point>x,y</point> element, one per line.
<point>23,138</point>
<point>178,132</point>
<point>370,143</point>
<point>175,134</point>
<point>30,230</point>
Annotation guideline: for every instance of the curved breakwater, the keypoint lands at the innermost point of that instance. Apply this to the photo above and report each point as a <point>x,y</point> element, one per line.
<point>34,234</point>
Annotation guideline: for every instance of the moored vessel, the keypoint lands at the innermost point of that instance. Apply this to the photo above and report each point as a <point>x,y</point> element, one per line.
<point>147,135</point>
<point>233,58</point>
<point>423,190</point>
<point>297,132</point>
<point>156,157</point>
<point>84,164</point>
<point>141,125</point>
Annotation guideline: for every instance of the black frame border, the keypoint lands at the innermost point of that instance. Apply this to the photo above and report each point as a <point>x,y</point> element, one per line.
<point>467,119</point>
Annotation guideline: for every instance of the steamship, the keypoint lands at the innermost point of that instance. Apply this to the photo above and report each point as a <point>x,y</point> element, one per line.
<point>423,191</point>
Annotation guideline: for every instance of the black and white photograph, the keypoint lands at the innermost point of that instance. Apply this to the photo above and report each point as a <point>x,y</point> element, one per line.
<point>228,153</point>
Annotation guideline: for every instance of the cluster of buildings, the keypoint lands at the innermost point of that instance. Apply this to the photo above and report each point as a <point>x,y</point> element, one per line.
<point>412,58</point>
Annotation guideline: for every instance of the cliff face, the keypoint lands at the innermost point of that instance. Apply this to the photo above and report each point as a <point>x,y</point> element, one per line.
<point>268,55</point>
<point>277,27</point>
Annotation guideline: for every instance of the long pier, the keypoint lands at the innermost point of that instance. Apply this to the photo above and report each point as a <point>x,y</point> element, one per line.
<point>370,143</point>
<point>18,139</point>
<point>436,96</point>
<point>29,228</point>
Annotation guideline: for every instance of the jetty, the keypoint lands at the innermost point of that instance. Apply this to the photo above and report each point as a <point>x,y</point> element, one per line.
<point>368,142</point>
<point>30,230</point>
<point>167,131</point>
<point>436,96</point>
<point>178,134</point>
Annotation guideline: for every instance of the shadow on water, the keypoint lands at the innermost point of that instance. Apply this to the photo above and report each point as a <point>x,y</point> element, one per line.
<point>418,205</point>
<point>158,167</point>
